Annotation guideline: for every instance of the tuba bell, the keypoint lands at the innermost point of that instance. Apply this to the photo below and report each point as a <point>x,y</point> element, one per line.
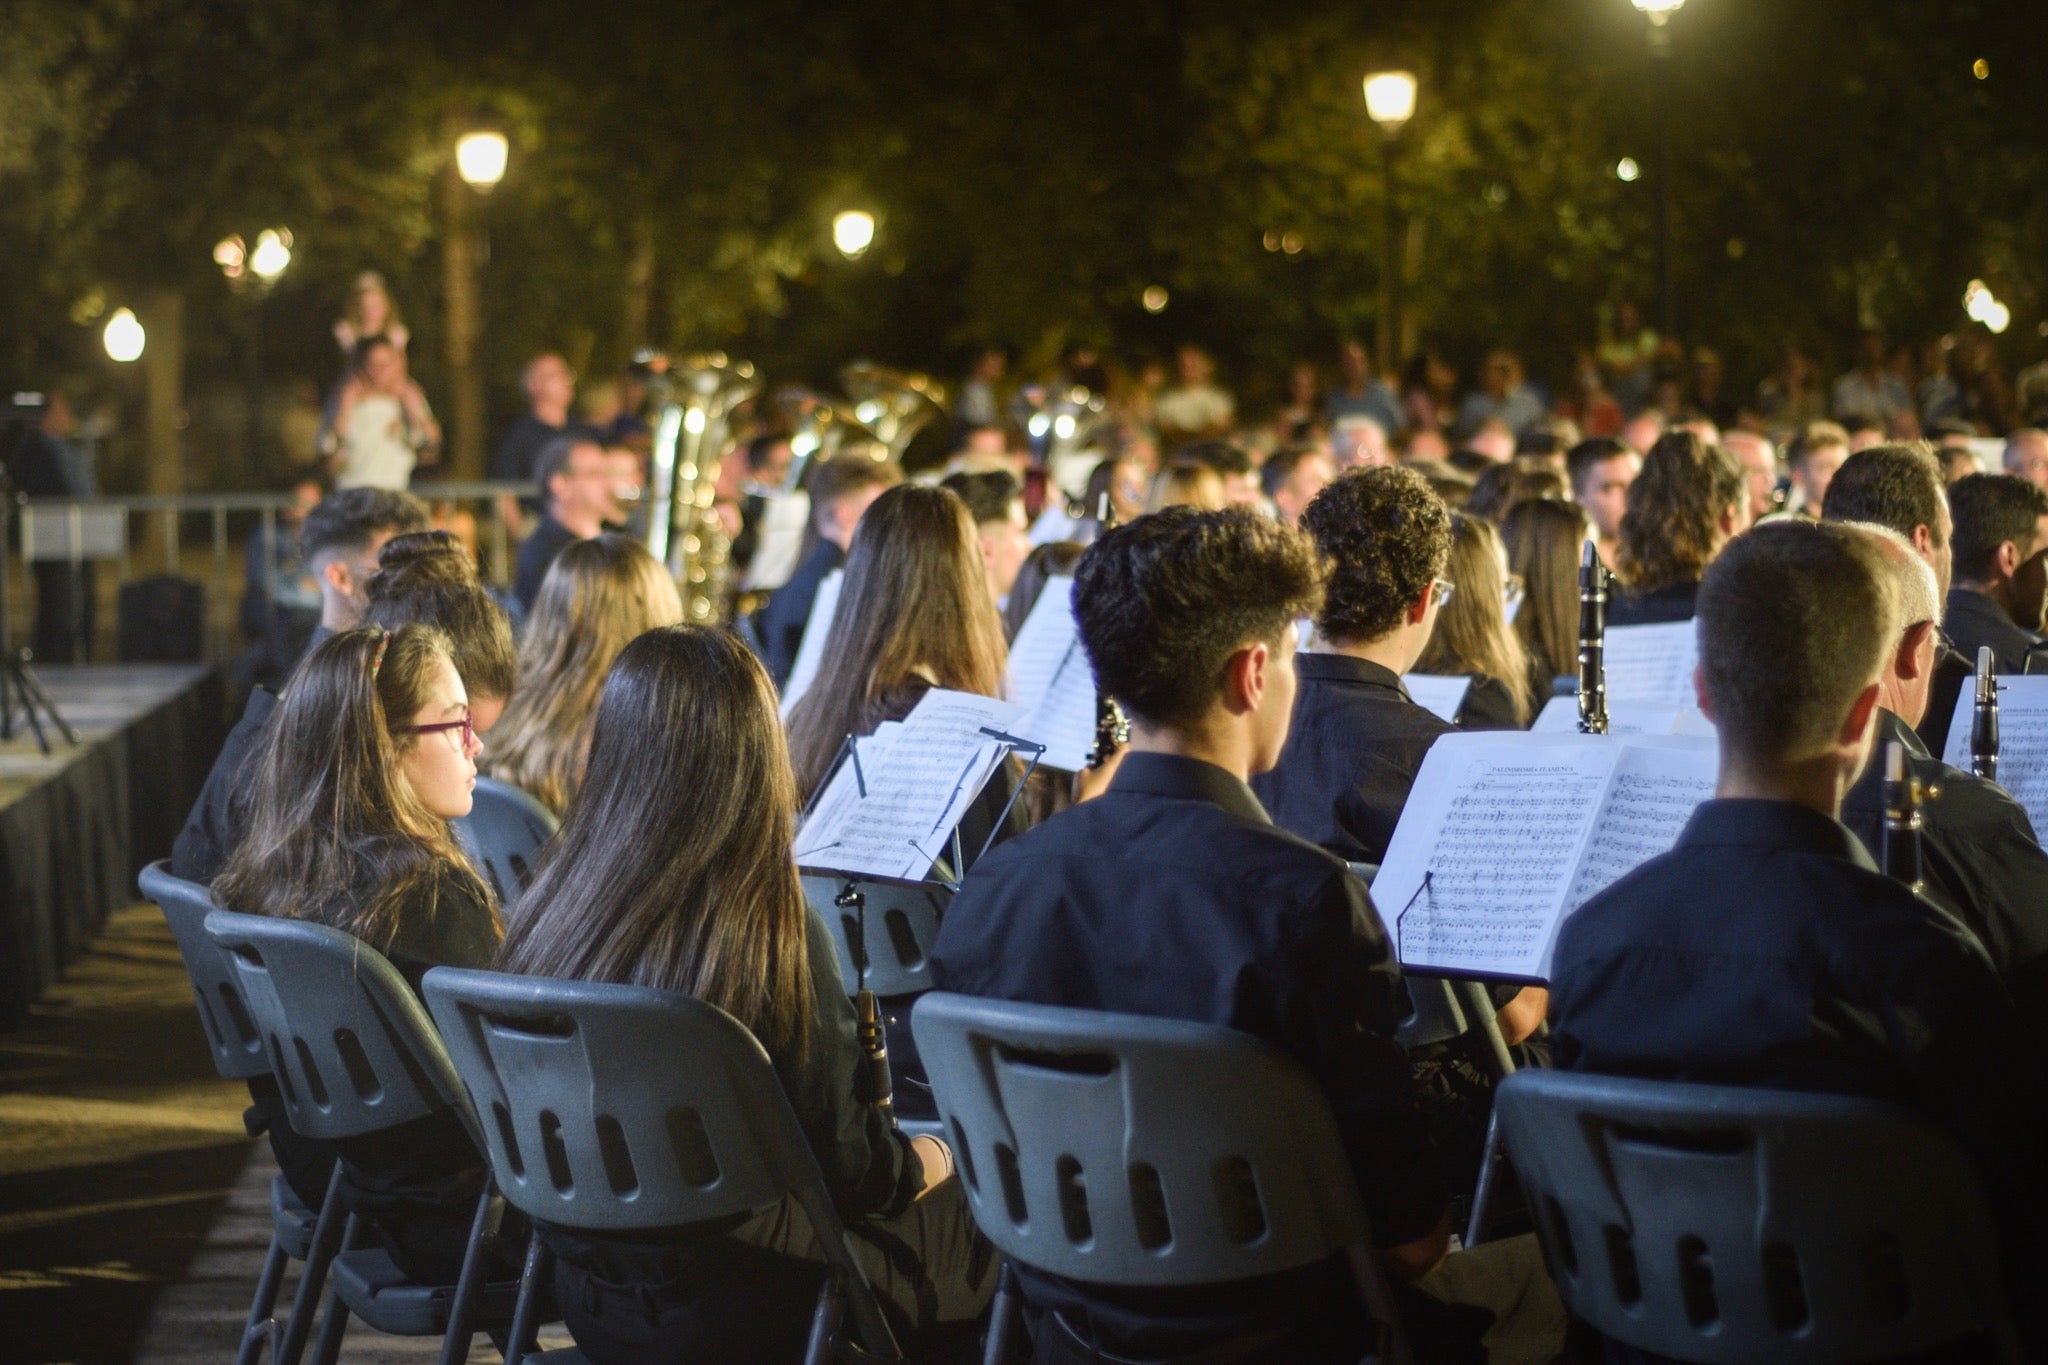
<point>693,403</point>
<point>818,426</point>
<point>893,404</point>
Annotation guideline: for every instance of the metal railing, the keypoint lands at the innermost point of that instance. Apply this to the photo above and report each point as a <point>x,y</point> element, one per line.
<point>137,529</point>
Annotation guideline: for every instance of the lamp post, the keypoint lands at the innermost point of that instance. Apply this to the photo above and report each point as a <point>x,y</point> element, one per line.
<point>481,156</point>
<point>254,271</point>
<point>1390,102</point>
<point>1659,13</point>
<point>853,232</point>
<point>123,337</point>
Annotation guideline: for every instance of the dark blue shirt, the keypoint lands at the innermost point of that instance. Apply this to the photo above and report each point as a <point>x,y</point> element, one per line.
<point>780,625</point>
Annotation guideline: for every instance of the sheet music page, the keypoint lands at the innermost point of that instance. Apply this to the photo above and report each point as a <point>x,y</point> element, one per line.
<point>783,519</point>
<point>1041,644</point>
<point>1064,720</point>
<point>1655,787</point>
<point>1487,849</point>
<point>844,788</point>
<point>2022,739</point>
<point>804,671</point>
<point>1436,693</point>
<point>1652,664</point>
<point>931,772</point>
<point>1560,716</point>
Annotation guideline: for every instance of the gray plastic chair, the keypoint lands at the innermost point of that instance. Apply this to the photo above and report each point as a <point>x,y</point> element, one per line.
<point>1719,1223</point>
<point>626,1109</point>
<point>504,833</point>
<point>239,1055</point>
<point>354,1053</point>
<point>902,925</point>
<point>1127,1151</point>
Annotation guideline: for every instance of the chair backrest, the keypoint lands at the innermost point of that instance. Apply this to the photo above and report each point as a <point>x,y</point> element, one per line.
<point>1717,1223</point>
<point>1436,1015</point>
<point>504,832</point>
<point>1121,1150</point>
<point>231,1031</point>
<point>902,923</point>
<point>352,1047</point>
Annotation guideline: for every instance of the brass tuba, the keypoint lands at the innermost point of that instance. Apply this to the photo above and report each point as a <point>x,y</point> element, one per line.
<point>894,405</point>
<point>693,404</point>
<point>818,426</point>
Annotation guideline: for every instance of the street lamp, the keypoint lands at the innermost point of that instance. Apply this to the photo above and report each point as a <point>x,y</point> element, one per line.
<point>480,159</point>
<point>123,336</point>
<point>853,232</point>
<point>272,254</point>
<point>252,271</point>
<point>1659,13</point>
<point>1390,102</point>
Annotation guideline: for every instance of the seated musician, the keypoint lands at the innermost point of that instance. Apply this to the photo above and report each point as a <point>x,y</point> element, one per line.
<point>1690,499</point>
<point>1899,487</point>
<point>1979,855</point>
<point>673,870</point>
<point>1766,949</point>
<point>1173,895</point>
<point>2001,568</point>
<point>1356,738</point>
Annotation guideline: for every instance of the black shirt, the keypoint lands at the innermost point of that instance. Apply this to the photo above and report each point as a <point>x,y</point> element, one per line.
<point>1979,858</point>
<point>1353,748</point>
<point>537,555</point>
<point>780,625</point>
<point>214,826</point>
<point>1673,602</point>
<point>1766,949</point>
<point>1974,620</point>
<point>1172,895</point>
<point>512,459</point>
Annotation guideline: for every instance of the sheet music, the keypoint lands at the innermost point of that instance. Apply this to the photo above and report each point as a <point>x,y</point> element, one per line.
<point>804,671</point>
<point>1051,680</point>
<point>1504,835</point>
<point>1041,644</point>
<point>1437,693</point>
<point>922,784</point>
<point>1487,847</point>
<point>783,519</point>
<point>2022,739</point>
<point>1652,664</point>
<point>1560,716</point>
<point>844,788</point>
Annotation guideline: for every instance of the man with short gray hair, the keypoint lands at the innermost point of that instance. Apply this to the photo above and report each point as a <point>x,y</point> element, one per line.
<point>2026,455</point>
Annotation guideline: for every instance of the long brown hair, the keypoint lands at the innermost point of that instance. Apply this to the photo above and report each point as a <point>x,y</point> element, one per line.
<point>1544,540</point>
<point>336,833</point>
<point>1672,527</point>
<point>674,868</point>
<point>914,612</point>
<point>1472,634</point>
<point>598,596</point>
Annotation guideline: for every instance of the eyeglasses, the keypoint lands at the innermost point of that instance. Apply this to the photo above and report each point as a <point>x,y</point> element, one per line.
<point>467,725</point>
<point>1444,588</point>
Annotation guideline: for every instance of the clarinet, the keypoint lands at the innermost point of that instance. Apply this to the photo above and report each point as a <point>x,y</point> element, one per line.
<point>1984,720</point>
<point>872,1083</point>
<point>1112,726</point>
<point>1592,643</point>
<point>1902,823</point>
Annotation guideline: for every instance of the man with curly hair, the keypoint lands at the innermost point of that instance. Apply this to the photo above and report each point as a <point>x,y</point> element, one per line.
<point>1172,895</point>
<point>1358,739</point>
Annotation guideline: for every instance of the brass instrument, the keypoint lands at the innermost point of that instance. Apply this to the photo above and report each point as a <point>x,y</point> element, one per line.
<point>693,403</point>
<point>1592,643</point>
<point>1984,719</point>
<point>893,404</point>
<point>818,427</point>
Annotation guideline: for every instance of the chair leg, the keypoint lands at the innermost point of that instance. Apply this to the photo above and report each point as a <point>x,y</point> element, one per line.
<point>328,1349</point>
<point>1002,1318</point>
<point>1489,1169</point>
<point>329,1231</point>
<point>259,1327</point>
<point>825,1322</point>
<point>525,1315</point>
<point>462,1312</point>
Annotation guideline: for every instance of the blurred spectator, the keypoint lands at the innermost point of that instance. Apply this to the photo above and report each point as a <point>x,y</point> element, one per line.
<point>382,424</point>
<point>1184,483</point>
<point>1759,461</point>
<point>1811,460</point>
<point>550,388</point>
<point>1359,392</point>
<point>1872,389</point>
<point>1500,489</point>
<point>301,425</point>
<point>2026,455</point>
<point>1293,477</point>
<point>1301,416</point>
<point>1361,443</point>
<point>1792,396</point>
<point>1196,408</point>
<point>2030,395</point>
<point>1428,395</point>
<point>1865,432</point>
<point>48,462</point>
<point>1233,465</point>
<point>1426,444</point>
<point>1625,355</point>
<point>1494,439</point>
<point>1503,395</point>
<point>979,405</point>
<point>1587,400</point>
<point>1601,469</point>
<point>370,313</point>
<point>1958,462</point>
<point>280,595</point>
<point>1643,429</point>
<point>1710,397</point>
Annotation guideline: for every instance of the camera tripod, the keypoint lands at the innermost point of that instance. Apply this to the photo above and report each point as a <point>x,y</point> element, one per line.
<point>21,693</point>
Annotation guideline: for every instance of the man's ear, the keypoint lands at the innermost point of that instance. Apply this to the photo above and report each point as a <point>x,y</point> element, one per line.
<point>1923,540</point>
<point>1244,677</point>
<point>2007,559</point>
<point>1862,712</point>
<point>1419,608</point>
<point>1699,691</point>
<point>337,576</point>
<point>1907,662</point>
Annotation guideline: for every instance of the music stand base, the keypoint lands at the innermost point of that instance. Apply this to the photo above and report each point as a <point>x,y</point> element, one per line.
<point>20,688</point>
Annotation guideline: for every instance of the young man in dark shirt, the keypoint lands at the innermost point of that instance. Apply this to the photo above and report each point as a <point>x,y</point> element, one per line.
<point>1357,739</point>
<point>2001,568</point>
<point>1173,895</point>
<point>1766,949</point>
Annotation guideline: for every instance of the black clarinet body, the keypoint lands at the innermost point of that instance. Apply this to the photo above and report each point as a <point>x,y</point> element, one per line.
<point>873,1083</point>
<point>1902,821</point>
<point>1984,719</point>
<point>1112,726</point>
<point>1592,643</point>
